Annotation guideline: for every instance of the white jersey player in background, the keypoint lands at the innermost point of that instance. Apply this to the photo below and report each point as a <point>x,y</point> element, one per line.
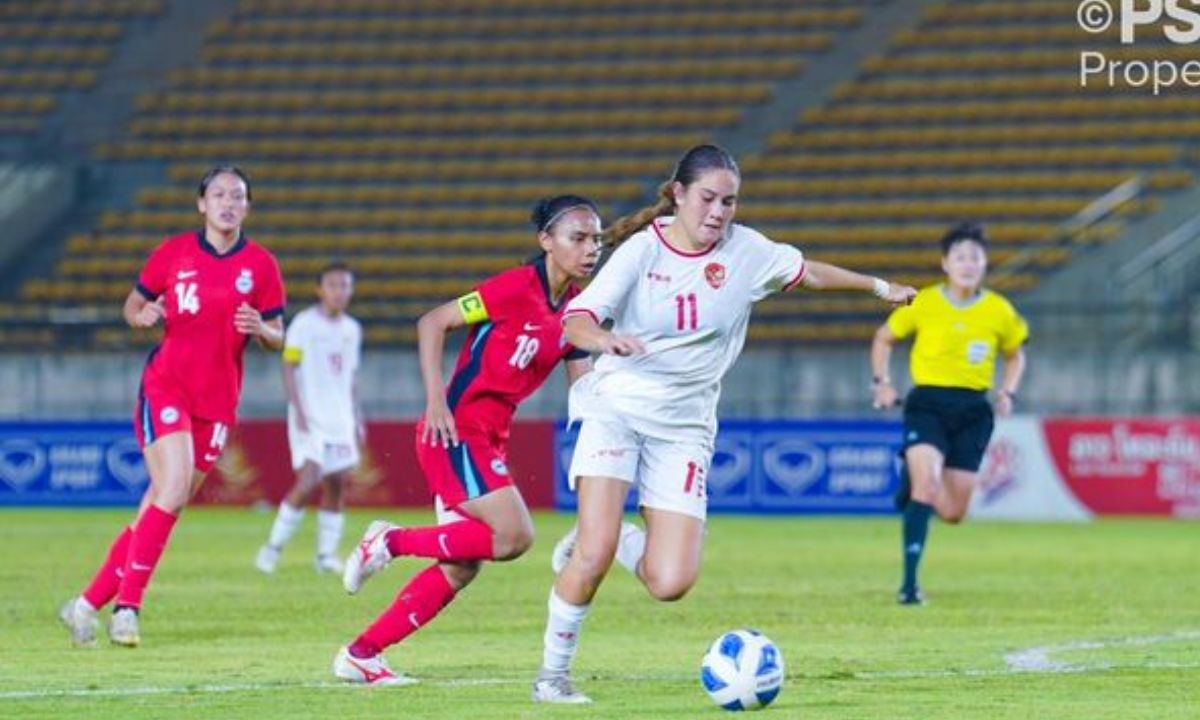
<point>325,426</point>
<point>679,292</point>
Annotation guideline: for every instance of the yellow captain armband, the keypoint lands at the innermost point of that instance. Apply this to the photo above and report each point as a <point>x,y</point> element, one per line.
<point>472,308</point>
<point>292,355</point>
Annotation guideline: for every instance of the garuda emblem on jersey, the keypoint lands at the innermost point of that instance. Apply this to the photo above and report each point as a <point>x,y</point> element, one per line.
<point>714,273</point>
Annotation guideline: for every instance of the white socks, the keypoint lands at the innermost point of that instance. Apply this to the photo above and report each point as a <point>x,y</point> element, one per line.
<point>286,523</point>
<point>562,633</point>
<point>631,547</point>
<point>329,531</point>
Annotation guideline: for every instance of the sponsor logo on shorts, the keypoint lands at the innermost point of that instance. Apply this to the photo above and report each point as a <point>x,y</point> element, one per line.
<point>499,467</point>
<point>609,452</point>
<point>169,415</point>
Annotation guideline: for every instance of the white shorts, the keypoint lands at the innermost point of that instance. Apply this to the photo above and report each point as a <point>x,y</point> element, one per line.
<point>332,456</point>
<point>669,474</point>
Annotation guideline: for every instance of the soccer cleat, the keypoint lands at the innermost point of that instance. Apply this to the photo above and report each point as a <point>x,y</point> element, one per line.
<point>268,558</point>
<point>910,596</point>
<point>123,628</point>
<point>557,688</point>
<point>80,619</point>
<point>562,550</point>
<point>367,671</point>
<point>369,557</point>
<point>329,564</point>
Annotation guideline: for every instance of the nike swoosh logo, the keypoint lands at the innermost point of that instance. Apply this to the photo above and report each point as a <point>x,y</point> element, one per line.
<point>369,675</point>
<point>140,567</point>
<point>184,274</point>
<point>530,327</point>
<point>211,458</point>
<point>442,538</point>
<point>416,621</point>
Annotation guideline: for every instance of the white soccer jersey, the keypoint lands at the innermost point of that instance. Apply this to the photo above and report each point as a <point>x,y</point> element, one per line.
<point>691,311</point>
<point>327,352</point>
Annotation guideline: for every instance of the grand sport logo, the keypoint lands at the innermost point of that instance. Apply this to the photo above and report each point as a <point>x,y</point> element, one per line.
<point>21,463</point>
<point>794,465</point>
<point>126,464</point>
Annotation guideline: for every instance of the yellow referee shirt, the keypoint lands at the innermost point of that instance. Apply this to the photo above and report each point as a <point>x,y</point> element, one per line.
<point>956,344</point>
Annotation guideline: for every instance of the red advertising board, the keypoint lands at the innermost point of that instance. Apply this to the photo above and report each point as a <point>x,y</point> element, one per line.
<point>256,466</point>
<point>1129,466</point>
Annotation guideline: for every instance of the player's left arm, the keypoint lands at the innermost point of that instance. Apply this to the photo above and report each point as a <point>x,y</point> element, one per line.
<point>577,368</point>
<point>823,276</point>
<point>1013,337</point>
<point>1010,381</point>
<point>268,333</point>
<point>360,422</point>
<point>264,319</point>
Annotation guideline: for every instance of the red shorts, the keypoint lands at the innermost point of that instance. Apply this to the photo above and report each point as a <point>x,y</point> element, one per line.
<point>475,467</point>
<point>160,411</point>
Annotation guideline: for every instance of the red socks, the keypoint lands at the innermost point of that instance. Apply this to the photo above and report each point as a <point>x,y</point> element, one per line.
<point>463,541</point>
<point>103,586</point>
<point>417,603</point>
<point>149,539</point>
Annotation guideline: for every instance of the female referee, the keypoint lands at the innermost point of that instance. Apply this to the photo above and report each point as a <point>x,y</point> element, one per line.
<point>959,327</point>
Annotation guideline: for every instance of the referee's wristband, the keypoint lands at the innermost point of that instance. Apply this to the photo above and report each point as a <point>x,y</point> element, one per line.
<point>1010,395</point>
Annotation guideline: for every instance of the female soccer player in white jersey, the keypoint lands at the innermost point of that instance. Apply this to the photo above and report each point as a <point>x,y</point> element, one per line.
<point>679,292</point>
<point>325,426</point>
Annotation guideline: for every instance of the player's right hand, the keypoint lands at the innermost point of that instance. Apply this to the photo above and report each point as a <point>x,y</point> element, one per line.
<point>149,314</point>
<point>622,345</point>
<point>439,426</point>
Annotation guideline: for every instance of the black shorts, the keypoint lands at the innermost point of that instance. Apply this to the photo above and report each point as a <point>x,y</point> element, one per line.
<point>956,421</point>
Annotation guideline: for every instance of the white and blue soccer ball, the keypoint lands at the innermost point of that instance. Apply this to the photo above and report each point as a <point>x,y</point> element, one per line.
<point>743,670</point>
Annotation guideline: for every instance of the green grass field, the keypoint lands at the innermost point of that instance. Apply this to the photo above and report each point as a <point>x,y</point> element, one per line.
<point>1116,603</point>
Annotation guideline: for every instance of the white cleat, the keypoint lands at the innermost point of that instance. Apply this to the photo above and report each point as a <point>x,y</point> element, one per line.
<point>563,549</point>
<point>369,557</point>
<point>329,564</point>
<point>557,688</point>
<point>123,628</point>
<point>80,619</point>
<point>267,559</point>
<point>367,671</point>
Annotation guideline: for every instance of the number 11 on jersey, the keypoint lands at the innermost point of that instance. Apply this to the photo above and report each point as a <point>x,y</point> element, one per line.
<point>693,315</point>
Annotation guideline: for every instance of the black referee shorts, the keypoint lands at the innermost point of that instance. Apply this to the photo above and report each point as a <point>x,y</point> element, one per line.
<point>956,421</point>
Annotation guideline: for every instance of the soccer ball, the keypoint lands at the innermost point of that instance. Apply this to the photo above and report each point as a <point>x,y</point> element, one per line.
<point>743,670</point>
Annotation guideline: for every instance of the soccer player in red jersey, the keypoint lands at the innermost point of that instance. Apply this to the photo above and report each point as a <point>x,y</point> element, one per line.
<point>515,342</point>
<point>214,290</point>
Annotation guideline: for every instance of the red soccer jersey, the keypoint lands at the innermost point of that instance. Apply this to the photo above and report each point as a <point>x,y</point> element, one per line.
<point>513,348</point>
<point>201,352</point>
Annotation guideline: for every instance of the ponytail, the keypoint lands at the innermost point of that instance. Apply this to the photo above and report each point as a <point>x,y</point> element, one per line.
<point>623,228</point>
<point>695,161</point>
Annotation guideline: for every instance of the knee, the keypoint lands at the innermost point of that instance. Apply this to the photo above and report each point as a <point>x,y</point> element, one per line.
<point>512,543</point>
<point>173,494</point>
<point>460,575</point>
<point>953,516</point>
<point>592,560</point>
<point>666,585</point>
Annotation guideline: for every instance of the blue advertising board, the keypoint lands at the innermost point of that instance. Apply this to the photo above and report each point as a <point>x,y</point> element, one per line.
<point>72,464</point>
<point>786,466</point>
